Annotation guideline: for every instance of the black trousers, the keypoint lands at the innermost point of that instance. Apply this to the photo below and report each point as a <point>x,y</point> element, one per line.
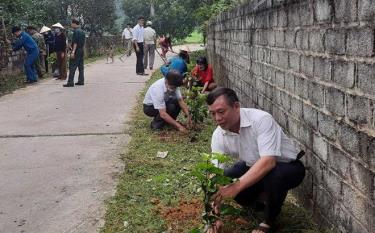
<point>172,108</point>
<point>274,186</point>
<point>75,63</point>
<point>140,69</point>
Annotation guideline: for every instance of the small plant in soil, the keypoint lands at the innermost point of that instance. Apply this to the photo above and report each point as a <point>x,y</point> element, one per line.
<point>197,105</point>
<point>211,178</point>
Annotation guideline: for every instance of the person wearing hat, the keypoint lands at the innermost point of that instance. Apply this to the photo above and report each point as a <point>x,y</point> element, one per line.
<point>76,55</point>
<point>204,74</point>
<point>127,36</point>
<point>60,49</point>
<point>39,39</point>
<point>25,41</point>
<point>49,40</point>
<point>178,63</point>
<point>150,45</point>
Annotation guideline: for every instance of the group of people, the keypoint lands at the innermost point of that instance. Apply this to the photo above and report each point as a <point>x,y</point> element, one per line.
<point>40,45</point>
<point>268,163</point>
<point>143,40</point>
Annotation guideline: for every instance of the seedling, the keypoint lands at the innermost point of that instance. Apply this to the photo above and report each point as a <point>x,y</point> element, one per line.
<point>211,178</point>
<point>197,104</point>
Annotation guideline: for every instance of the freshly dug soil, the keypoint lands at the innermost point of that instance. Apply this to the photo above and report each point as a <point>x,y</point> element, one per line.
<point>183,217</point>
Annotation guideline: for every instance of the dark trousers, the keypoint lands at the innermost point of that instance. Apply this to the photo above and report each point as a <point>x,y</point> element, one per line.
<point>173,109</point>
<point>73,64</point>
<point>140,69</point>
<point>274,186</point>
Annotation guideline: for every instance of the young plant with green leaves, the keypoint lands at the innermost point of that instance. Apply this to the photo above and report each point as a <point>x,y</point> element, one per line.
<point>211,178</point>
<point>197,104</point>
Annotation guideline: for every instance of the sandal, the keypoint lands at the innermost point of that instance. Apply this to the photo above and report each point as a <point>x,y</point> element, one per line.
<point>264,229</point>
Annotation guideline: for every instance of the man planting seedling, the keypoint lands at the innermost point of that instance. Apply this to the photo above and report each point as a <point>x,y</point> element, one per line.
<point>268,164</point>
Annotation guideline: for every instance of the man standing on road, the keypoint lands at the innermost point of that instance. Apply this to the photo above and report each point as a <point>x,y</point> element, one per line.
<point>127,36</point>
<point>138,42</point>
<point>25,41</point>
<point>76,55</point>
<point>150,45</point>
<point>269,164</point>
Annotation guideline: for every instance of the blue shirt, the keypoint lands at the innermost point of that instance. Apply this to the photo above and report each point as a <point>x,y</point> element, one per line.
<point>27,42</point>
<point>176,63</point>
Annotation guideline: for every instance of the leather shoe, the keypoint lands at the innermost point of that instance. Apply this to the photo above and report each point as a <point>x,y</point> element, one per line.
<point>68,85</point>
<point>80,84</point>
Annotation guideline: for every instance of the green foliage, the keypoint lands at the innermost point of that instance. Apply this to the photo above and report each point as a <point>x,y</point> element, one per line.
<point>97,15</point>
<point>211,177</point>
<point>197,104</point>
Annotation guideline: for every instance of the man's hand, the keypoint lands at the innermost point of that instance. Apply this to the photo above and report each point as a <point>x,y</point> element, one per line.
<point>8,41</point>
<point>227,191</point>
<point>182,129</point>
<point>72,56</point>
<point>137,48</point>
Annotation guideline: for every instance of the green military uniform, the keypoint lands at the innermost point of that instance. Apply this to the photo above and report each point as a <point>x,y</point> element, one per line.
<point>39,39</point>
<point>79,39</point>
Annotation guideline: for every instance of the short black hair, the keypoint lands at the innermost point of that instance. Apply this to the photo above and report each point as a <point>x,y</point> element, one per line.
<point>76,21</point>
<point>129,24</point>
<point>229,94</point>
<point>15,29</point>
<point>175,78</point>
<point>202,61</point>
<point>184,55</point>
<point>141,17</point>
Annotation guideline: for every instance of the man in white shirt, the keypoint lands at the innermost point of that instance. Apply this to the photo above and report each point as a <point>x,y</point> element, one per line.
<point>150,45</point>
<point>163,102</point>
<point>138,42</point>
<point>127,36</point>
<point>268,161</point>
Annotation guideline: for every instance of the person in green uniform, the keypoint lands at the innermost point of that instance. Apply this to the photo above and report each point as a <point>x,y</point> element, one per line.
<point>76,55</point>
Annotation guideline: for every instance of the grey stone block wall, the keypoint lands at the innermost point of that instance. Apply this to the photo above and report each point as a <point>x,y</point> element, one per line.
<point>311,64</point>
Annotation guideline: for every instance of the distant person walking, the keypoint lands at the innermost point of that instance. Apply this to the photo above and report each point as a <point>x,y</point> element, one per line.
<point>60,48</point>
<point>25,41</point>
<point>138,42</point>
<point>76,55</point>
<point>150,45</point>
<point>127,36</point>
<point>39,39</point>
<point>165,43</point>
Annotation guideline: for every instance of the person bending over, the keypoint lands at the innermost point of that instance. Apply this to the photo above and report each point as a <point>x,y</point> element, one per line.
<point>163,102</point>
<point>204,74</point>
<point>268,162</point>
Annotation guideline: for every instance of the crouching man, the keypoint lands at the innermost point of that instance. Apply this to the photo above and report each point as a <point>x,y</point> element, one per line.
<point>163,102</point>
<point>268,164</point>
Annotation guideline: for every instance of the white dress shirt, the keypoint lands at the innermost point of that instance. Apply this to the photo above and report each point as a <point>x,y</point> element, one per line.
<point>259,135</point>
<point>138,34</point>
<point>127,34</point>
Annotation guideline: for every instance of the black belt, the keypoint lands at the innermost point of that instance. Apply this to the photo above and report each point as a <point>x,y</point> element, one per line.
<point>300,155</point>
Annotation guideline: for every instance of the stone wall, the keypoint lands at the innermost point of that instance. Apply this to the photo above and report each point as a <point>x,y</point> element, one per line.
<point>311,64</point>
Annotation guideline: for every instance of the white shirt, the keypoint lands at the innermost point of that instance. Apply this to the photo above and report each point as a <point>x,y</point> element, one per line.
<point>259,135</point>
<point>127,33</point>
<point>155,94</point>
<point>138,34</point>
<point>150,35</point>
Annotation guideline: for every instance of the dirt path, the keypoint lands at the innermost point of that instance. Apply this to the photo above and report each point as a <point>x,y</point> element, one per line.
<point>59,149</point>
